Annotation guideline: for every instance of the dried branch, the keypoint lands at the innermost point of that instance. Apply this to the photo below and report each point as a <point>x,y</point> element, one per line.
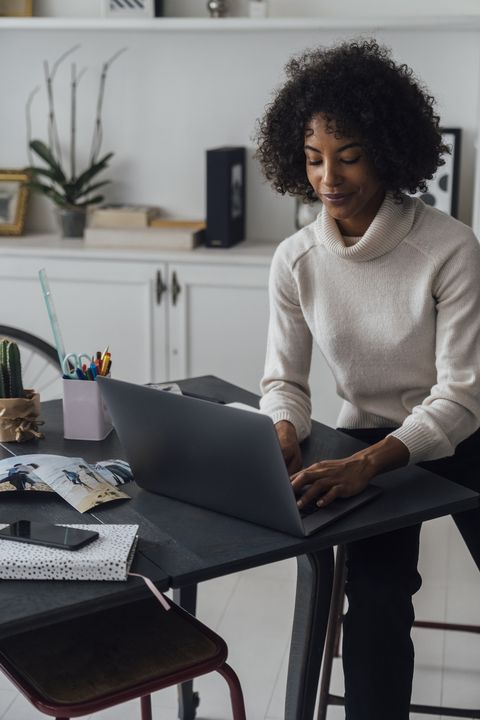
<point>73,115</point>
<point>53,137</point>
<point>28,122</point>
<point>62,57</point>
<point>51,179</point>
<point>51,109</point>
<point>98,130</point>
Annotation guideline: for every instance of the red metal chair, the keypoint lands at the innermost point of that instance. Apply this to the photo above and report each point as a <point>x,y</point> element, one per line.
<point>86,664</point>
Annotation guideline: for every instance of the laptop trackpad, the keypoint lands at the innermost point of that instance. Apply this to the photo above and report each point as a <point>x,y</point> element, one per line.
<point>315,518</point>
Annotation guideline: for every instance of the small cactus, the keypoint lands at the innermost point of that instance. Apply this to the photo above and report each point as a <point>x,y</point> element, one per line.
<point>10,370</point>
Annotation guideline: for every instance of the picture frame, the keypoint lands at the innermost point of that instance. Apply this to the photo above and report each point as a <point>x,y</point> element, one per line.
<point>13,201</point>
<point>140,9</point>
<point>16,8</point>
<point>442,189</point>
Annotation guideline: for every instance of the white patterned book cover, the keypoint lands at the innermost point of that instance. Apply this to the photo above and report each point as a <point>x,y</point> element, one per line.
<point>107,558</point>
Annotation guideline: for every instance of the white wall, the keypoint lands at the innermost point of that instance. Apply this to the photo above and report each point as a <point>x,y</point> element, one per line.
<point>177,93</point>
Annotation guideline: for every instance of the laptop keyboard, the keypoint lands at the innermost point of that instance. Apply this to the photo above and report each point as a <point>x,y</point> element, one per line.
<point>308,509</point>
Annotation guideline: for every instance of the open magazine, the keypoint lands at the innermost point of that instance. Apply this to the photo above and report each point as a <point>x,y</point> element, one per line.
<point>84,485</point>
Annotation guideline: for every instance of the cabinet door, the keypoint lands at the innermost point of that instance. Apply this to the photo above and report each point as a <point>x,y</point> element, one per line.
<point>218,325</point>
<point>218,322</point>
<point>98,303</point>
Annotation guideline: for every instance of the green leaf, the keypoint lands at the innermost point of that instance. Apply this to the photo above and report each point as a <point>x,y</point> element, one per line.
<point>53,175</point>
<point>95,186</point>
<point>44,152</point>
<point>93,170</point>
<point>93,201</point>
<point>48,191</point>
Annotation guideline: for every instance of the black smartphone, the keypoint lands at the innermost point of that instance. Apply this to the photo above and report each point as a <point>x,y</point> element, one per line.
<point>55,536</point>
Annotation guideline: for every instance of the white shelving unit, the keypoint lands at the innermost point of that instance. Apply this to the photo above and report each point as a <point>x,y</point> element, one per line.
<point>406,25</point>
<point>417,23</point>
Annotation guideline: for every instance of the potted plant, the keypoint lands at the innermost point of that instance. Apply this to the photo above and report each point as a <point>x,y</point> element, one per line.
<point>19,408</point>
<point>71,191</point>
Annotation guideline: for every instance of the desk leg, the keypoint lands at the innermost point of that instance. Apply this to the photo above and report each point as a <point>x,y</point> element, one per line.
<point>188,700</point>
<point>310,621</point>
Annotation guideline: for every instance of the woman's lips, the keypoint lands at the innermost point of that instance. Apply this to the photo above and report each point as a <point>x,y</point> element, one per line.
<point>336,198</point>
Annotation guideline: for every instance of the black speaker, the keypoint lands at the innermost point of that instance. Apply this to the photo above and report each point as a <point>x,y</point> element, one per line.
<point>225,196</point>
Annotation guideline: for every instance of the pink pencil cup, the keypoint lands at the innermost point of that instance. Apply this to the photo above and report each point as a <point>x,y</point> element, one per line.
<point>85,416</point>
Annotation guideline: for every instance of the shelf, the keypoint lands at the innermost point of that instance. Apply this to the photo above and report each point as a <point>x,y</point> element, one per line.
<point>48,245</point>
<point>240,24</point>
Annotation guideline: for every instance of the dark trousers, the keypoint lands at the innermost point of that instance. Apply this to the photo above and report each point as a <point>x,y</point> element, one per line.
<point>382,576</point>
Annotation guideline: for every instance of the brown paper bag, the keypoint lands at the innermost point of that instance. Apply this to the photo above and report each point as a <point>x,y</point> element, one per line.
<point>20,418</point>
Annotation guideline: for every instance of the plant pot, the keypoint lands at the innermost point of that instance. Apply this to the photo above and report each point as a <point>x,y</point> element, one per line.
<point>72,221</point>
<point>19,418</point>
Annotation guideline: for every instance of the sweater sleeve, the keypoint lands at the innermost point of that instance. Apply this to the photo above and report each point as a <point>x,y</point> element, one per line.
<point>284,386</point>
<point>451,412</point>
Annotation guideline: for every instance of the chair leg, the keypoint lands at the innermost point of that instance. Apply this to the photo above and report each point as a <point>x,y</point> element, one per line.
<point>331,641</point>
<point>236,695</point>
<point>188,700</point>
<point>146,707</point>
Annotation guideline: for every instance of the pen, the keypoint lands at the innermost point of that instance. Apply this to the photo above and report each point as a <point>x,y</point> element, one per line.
<point>80,374</point>
<point>105,361</point>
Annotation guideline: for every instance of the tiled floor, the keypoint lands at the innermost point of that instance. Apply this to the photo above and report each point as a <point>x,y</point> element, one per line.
<point>253,611</point>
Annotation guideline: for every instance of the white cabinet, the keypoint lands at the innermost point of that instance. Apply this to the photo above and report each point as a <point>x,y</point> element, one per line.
<point>98,303</point>
<point>163,316</point>
<point>218,318</point>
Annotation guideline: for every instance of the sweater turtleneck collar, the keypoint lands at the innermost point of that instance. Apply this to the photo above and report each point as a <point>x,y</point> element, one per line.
<point>390,225</point>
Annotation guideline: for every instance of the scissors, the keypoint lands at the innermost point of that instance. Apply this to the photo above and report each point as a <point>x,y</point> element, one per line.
<point>73,362</point>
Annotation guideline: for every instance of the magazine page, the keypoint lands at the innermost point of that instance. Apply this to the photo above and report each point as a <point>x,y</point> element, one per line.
<point>20,476</point>
<point>82,485</point>
<point>16,474</point>
<point>116,472</point>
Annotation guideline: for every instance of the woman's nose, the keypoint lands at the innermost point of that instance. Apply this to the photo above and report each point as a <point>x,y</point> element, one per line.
<point>330,175</point>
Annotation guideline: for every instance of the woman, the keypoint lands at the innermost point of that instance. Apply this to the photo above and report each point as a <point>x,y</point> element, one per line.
<point>389,289</point>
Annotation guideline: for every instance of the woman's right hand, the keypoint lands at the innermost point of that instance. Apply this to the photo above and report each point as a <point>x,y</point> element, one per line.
<point>287,436</point>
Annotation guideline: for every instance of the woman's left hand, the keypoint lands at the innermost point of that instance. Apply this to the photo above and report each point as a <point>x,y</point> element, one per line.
<point>330,479</point>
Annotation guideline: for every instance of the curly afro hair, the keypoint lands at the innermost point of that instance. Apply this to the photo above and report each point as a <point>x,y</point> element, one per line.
<point>363,93</point>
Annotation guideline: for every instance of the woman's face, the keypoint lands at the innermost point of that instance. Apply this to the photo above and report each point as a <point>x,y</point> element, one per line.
<point>342,176</point>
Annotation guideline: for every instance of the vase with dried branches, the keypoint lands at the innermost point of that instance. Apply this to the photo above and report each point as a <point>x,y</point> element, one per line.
<point>71,191</point>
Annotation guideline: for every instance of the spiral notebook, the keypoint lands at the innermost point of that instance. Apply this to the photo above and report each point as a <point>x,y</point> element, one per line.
<point>107,558</point>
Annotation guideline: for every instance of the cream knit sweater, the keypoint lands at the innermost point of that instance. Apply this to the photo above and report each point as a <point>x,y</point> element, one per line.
<point>397,317</point>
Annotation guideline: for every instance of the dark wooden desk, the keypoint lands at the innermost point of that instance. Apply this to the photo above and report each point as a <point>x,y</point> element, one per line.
<point>190,544</point>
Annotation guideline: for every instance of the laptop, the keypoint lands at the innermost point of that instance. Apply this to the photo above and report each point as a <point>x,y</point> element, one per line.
<point>218,457</point>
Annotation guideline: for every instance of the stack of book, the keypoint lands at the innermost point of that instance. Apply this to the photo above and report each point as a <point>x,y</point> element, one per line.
<point>123,216</point>
<point>139,226</point>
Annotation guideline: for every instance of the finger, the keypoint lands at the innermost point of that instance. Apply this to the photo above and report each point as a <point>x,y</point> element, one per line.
<point>329,496</point>
<point>316,490</point>
<point>307,476</point>
<point>293,465</point>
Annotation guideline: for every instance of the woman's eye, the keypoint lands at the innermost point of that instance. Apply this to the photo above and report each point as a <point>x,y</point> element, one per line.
<point>314,162</point>
<point>351,161</point>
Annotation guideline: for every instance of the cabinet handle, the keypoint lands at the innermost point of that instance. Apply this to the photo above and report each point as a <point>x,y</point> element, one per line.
<point>175,288</point>
<point>160,287</point>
